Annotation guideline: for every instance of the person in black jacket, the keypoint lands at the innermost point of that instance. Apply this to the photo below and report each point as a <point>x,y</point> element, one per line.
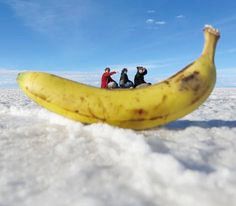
<point>124,80</point>
<point>139,77</point>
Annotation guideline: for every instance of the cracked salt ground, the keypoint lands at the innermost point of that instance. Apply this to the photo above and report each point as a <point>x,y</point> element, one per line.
<point>46,159</point>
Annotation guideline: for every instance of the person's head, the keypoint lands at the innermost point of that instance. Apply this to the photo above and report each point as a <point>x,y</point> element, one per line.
<point>107,69</point>
<point>140,69</point>
<point>125,70</point>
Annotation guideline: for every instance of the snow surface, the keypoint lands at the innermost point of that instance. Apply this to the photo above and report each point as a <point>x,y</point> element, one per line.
<point>46,159</point>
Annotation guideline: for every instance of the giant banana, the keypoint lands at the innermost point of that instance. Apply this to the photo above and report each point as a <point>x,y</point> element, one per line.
<point>140,108</point>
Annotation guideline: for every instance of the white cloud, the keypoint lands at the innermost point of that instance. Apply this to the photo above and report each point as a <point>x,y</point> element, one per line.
<point>51,15</point>
<point>151,11</point>
<point>180,16</point>
<point>150,21</point>
<point>160,22</point>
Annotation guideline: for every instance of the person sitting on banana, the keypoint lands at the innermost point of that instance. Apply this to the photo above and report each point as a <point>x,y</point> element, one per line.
<point>139,77</point>
<point>107,81</point>
<point>124,80</point>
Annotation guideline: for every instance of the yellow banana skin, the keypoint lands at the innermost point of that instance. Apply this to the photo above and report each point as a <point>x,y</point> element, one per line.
<point>138,109</point>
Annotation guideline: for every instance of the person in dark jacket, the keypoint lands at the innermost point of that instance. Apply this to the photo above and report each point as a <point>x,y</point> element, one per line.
<point>107,81</point>
<point>139,77</point>
<point>124,80</point>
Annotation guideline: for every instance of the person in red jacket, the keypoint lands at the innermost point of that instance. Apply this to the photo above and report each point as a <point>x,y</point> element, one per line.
<point>107,81</point>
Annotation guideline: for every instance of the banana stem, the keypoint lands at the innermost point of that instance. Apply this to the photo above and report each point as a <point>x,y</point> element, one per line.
<point>211,37</point>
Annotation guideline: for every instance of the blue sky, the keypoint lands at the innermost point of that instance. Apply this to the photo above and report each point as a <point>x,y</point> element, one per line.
<point>88,35</point>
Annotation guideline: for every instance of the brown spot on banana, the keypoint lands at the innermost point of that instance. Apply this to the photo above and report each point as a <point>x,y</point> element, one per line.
<point>191,76</point>
<point>164,98</point>
<point>43,97</point>
<point>179,78</point>
<point>140,112</point>
<point>191,82</point>
<point>167,83</point>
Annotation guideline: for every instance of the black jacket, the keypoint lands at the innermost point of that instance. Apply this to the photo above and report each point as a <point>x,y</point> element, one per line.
<point>139,78</point>
<point>123,78</point>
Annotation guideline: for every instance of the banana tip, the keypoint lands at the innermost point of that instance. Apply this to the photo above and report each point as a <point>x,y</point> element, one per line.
<point>212,30</point>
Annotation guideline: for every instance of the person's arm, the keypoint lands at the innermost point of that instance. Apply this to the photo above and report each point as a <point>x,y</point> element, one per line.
<point>145,72</point>
<point>111,73</point>
<point>107,74</point>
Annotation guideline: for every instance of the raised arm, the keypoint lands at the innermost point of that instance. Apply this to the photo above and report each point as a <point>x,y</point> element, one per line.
<point>107,74</point>
<point>145,72</point>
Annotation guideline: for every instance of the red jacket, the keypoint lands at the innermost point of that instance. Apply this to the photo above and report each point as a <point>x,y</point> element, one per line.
<point>106,78</point>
